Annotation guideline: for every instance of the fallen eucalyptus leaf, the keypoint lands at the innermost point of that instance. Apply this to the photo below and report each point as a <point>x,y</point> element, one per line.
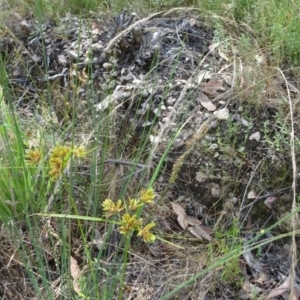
<point>181,215</point>
<point>75,273</point>
<point>223,55</point>
<point>269,201</point>
<point>212,87</point>
<point>248,291</point>
<point>205,102</point>
<point>280,289</point>
<point>195,228</point>
<point>201,232</point>
<point>213,46</point>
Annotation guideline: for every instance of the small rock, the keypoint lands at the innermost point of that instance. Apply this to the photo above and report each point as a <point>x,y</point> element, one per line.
<point>233,200</point>
<point>157,111</point>
<point>62,59</point>
<point>171,101</point>
<point>252,195</point>
<point>200,177</point>
<point>213,124</point>
<point>246,123</point>
<point>255,136</point>
<point>213,147</point>
<point>222,114</point>
<point>216,191</point>
<point>154,139</point>
<point>97,47</point>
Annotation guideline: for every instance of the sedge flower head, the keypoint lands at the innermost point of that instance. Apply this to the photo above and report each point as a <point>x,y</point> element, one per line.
<point>147,196</point>
<point>33,157</point>
<point>60,152</point>
<point>56,167</point>
<point>129,223</point>
<point>54,173</point>
<point>58,160</point>
<point>110,207</point>
<point>145,233</point>
<point>79,151</point>
<point>134,204</point>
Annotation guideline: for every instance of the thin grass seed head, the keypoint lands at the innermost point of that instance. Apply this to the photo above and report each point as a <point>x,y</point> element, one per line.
<point>145,233</point>
<point>147,196</point>
<point>110,207</point>
<point>129,223</point>
<point>33,157</point>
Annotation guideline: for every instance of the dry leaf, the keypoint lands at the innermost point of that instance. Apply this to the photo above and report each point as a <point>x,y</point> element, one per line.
<point>205,102</point>
<point>223,55</point>
<point>262,277</point>
<point>181,215</point>
<point>192,220</point>
<point>228,79</point>
<point>203,74</point>
<point>269,201</point>
<point>213,46</point>
<point>281,289</point>
<point>248,291</point>
<point>252,262</point>
<point>192,21</point>
<point>212,86</point>
<point>201,232</point>
<point>75,273</point>
<point>198,230</point>
<point>96,28</point>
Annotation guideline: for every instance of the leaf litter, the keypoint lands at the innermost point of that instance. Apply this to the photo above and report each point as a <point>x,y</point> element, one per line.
<point>191,223</point>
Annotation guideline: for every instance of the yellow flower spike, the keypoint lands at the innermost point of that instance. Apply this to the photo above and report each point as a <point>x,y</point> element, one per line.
<point>79,151</point>
<point>147,196</point>
<point>33,157</point>
<point>145,233</point>
<point>110,207</point>
<point>134,204</point>
<point>129,223</point>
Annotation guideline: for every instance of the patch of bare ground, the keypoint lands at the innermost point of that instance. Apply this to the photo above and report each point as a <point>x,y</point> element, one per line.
<point>228,169</point>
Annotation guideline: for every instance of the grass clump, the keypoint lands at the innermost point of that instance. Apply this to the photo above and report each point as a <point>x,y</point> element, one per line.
<point>17,192</point>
